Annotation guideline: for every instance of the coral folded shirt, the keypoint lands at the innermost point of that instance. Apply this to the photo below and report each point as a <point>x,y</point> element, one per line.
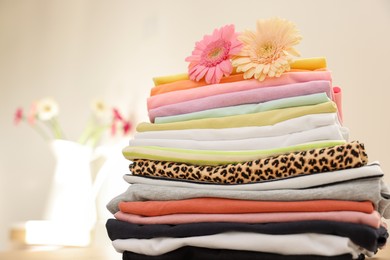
<point>230,206</point>
<point>373,219</point>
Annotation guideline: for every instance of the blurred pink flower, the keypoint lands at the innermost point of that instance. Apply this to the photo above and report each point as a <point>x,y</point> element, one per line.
<point>113,127</point>
<point>117,115</point>
<point>18,116</point>
<point>211,56</point>
<point>127,126</point>
<point>43,118</point>
<point>32,114</point>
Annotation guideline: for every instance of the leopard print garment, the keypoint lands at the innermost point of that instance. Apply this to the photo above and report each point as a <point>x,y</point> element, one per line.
<point>345,156</point>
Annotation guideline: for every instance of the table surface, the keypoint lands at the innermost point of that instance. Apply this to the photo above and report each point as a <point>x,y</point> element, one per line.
<point>62,254</point>
<point>97,254</point>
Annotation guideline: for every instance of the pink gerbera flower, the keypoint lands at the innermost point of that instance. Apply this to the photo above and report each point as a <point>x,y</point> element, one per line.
<point>211,56</point>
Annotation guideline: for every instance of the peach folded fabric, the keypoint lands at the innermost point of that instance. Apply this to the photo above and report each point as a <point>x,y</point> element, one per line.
<point>372,219</point>
<point>181,81</point>
<point>215,89</point>
<point>231,206</point>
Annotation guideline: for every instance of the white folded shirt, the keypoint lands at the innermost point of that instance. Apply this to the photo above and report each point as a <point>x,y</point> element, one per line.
<point>293,125</point>
<point>294,244</point>
<point>330,132</point>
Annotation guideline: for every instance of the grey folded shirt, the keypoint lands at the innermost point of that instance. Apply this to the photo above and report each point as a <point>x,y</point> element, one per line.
<point>372,189</point>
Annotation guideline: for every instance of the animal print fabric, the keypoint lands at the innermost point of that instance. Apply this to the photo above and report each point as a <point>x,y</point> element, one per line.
<point>345,156</point>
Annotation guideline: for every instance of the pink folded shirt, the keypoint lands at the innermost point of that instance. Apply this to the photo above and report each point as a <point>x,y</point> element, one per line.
<point>215,89</point>
<point>371,219</point>
<point>337,95</point>
<point>251,96</point>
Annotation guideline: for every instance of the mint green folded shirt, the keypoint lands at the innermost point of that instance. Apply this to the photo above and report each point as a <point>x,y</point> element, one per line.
<point>304,100</point>
<point>256,119</point>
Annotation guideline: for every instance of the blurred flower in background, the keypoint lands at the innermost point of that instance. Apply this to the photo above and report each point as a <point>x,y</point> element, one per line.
<point>43,118</point>
<point>79,173</point>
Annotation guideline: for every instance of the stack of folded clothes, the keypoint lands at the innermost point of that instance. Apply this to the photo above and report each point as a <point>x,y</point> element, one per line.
<point>243,166</point>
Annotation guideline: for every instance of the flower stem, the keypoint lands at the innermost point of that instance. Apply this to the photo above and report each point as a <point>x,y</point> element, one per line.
<point>56,128</point>
<point>87,132</point>
<point>95,135</point>
<point>40,132</point>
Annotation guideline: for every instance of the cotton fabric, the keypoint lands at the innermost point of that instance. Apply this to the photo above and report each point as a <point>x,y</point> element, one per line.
<point>242,97</point>
<point>296,244</point>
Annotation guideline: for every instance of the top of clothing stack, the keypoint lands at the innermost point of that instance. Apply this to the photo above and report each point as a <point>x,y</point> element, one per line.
<point>246,153</point>
<point>244,131</point>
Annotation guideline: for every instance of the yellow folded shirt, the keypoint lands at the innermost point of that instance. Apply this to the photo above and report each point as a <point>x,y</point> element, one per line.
<point>300,64</point>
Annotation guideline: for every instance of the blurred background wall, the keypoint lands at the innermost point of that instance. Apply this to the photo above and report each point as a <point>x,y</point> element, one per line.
<point>77,50</point>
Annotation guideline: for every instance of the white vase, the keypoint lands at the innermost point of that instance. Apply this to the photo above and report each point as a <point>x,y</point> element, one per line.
<point>71,200</point>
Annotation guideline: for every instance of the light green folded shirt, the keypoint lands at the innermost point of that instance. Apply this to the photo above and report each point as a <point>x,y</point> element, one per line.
<point>256,119</point>
<point>207,157</point>
<point>305,100</point>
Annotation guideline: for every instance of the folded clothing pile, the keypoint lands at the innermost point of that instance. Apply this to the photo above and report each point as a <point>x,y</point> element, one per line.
<point>249,169</point>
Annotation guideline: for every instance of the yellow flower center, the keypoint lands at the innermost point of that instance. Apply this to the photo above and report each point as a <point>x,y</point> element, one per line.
<point>215,53</point>
<point>100,106</point>
<point>47,108</point>
<point>266,50</point>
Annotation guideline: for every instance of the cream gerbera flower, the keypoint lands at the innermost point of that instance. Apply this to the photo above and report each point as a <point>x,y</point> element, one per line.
<point>46,109</point>
<point>269,50</point>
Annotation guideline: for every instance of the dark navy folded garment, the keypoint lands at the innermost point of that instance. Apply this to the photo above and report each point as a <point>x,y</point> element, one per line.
<point>365,236</point>
<point>197,253</point>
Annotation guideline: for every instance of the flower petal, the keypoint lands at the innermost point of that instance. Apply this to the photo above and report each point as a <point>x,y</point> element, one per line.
<point>226,67</point>
<point>293,52</point>
<point>210,74</point>
<point>227,32</point>
<point>249,73</point>
<point>201,74</point>
<point>218,74</point>
<point>247,37</point>
<point>271,73</point>
<point>240,61</point>
<point>192,58</point>
<point>235,50</point>
<point>266,68</point>
<point>259,68</point>
<point>246,67</point>
<point>262,77</point>
<point>193,69</point>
